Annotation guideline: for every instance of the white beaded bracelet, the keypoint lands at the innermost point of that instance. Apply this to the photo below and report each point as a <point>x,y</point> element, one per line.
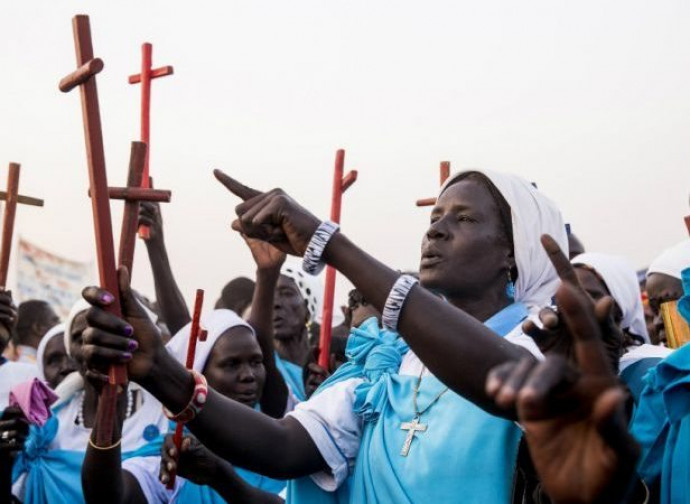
<point>312,263</point>
<point>396,299</point>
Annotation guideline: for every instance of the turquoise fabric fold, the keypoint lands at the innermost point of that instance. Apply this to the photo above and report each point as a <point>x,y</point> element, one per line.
<point>55,475</point>
<point>464,451</point>
<point>662,427</point>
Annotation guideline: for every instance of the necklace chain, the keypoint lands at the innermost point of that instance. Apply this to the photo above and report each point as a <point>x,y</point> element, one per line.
<point>418,413</point>
<point>128,412</point>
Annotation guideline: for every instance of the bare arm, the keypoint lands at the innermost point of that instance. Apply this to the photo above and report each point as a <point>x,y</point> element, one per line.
<point>268,262</point>
<point>281,449</point>
<point>172,304</point>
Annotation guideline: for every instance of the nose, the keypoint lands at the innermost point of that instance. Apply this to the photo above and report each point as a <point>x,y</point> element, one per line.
<point>437,230</point>
<point>246,374</point>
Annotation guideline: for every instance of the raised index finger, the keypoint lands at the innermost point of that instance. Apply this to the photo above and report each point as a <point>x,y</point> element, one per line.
<point>560,261</point>
<point>232,185</point>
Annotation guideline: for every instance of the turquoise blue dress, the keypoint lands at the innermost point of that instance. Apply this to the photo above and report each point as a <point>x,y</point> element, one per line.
<point>662,419</point>
<point>54,476</point>
<point>292,374</point>
<point>464,453</point>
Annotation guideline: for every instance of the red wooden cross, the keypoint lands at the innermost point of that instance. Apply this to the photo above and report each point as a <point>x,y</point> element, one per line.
<point>687,222</point>
<point>445,173</point>
<point>196,333</point>
<point>11,197</point>
<point>340,185</point>
<point>84,77</point>
<point>144,77</point>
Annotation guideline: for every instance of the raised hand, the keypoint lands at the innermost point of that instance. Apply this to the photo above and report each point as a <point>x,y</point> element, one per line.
<point>108,339</point>
<point>14,429</point>
<point>8,317</point>
<point>572,416</point>
<point>265,255</point>
<point>555,337</point>
<point>150,215</point>
<point>195,462</point>
<point>272,217</point>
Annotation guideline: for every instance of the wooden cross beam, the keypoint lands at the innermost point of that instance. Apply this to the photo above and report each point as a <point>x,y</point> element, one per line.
<point>144,77</point>
<point>445,173</point>
<point>687,223</point>
<point>196,333</point>
<point>11,197</point>
<point>340,185</point>
<point>132,195</point>
<point>84,77</point>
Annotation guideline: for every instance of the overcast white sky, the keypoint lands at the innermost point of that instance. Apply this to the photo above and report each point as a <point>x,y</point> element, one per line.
<point>589,99</point>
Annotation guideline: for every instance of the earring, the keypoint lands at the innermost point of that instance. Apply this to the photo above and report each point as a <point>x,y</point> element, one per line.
<point>510,288</point>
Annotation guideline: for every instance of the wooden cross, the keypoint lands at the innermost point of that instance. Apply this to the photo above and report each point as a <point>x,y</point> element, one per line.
<point>687,222</point>
<point>84,77</point>
<point>133,194</point>
<point>144,77</point>
<point>11,197</point>
<point>412,429</point>
<point>340,185</point>
<point>195,333</point>
<point>445,173</point>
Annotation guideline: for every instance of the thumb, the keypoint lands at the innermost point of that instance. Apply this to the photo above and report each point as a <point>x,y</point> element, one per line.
<point>129,304</point>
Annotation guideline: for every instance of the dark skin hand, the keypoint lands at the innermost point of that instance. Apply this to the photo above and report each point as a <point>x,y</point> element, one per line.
<point>199,465</point>
<point>268,261</point>
<point>172,304</point>
<point>572,415</point>
<point>443,342</point>
<point>278,448</point>
<point>554,337</point>
<point>8,318</point>
<point>13,432</point>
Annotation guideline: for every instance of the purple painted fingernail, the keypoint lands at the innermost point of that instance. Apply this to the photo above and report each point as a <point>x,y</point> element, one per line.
<point>107,297</point>
<point>127,356</point>
<point>129,330</point>
<point>132,345</point>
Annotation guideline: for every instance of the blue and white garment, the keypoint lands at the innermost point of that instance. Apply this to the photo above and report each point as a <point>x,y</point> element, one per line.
<point>465,451</point>
<point>661,425</point>
<point>293,376</point>
<point>50,465</point>
<point>146,469</point>
<point>356,422</point>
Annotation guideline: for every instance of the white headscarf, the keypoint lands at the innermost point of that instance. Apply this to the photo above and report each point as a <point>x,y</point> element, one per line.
<point>312,290</point>
<point>216,324</point>
<point>41,350</point>
<point>672,260</point>
<point>533,215</point>
<point>621,280</point>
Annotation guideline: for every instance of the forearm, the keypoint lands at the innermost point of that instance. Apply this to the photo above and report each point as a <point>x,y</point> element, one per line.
<point>275,391</point>
<point>445,338</point>
<point>233,488</point>
<point>280,449</point>
<point>170,300</point>
<point>101,473</point>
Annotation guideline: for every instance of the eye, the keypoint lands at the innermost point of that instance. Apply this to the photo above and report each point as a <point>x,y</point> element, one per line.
<point>465,218</point>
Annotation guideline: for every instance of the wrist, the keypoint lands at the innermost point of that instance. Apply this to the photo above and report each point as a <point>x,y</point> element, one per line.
<point>271,273</point>
<point>169,382</point>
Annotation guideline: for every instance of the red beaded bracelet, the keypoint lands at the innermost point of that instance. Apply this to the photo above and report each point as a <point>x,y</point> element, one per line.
<point>196,403</point>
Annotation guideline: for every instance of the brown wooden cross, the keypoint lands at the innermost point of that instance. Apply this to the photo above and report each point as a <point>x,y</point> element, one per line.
<point>11,197</point>
<point>445,173</point>
<point>133,194</point>
<point>84,77</point>
<point>144,77</point>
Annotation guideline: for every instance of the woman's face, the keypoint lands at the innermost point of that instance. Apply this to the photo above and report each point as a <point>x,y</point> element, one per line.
<point>596,289</point>
<point>235,367</point>
<point>56,363</point>
<point>290,314</point>
<point>76,341</point>
<point>661,289</point>
<point>465,248</point>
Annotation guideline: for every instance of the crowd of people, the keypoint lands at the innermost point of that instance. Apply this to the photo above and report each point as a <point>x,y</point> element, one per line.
<point>513,367</point>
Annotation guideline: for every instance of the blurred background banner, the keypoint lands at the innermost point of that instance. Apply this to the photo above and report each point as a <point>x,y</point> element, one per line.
<point>44,275</point>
